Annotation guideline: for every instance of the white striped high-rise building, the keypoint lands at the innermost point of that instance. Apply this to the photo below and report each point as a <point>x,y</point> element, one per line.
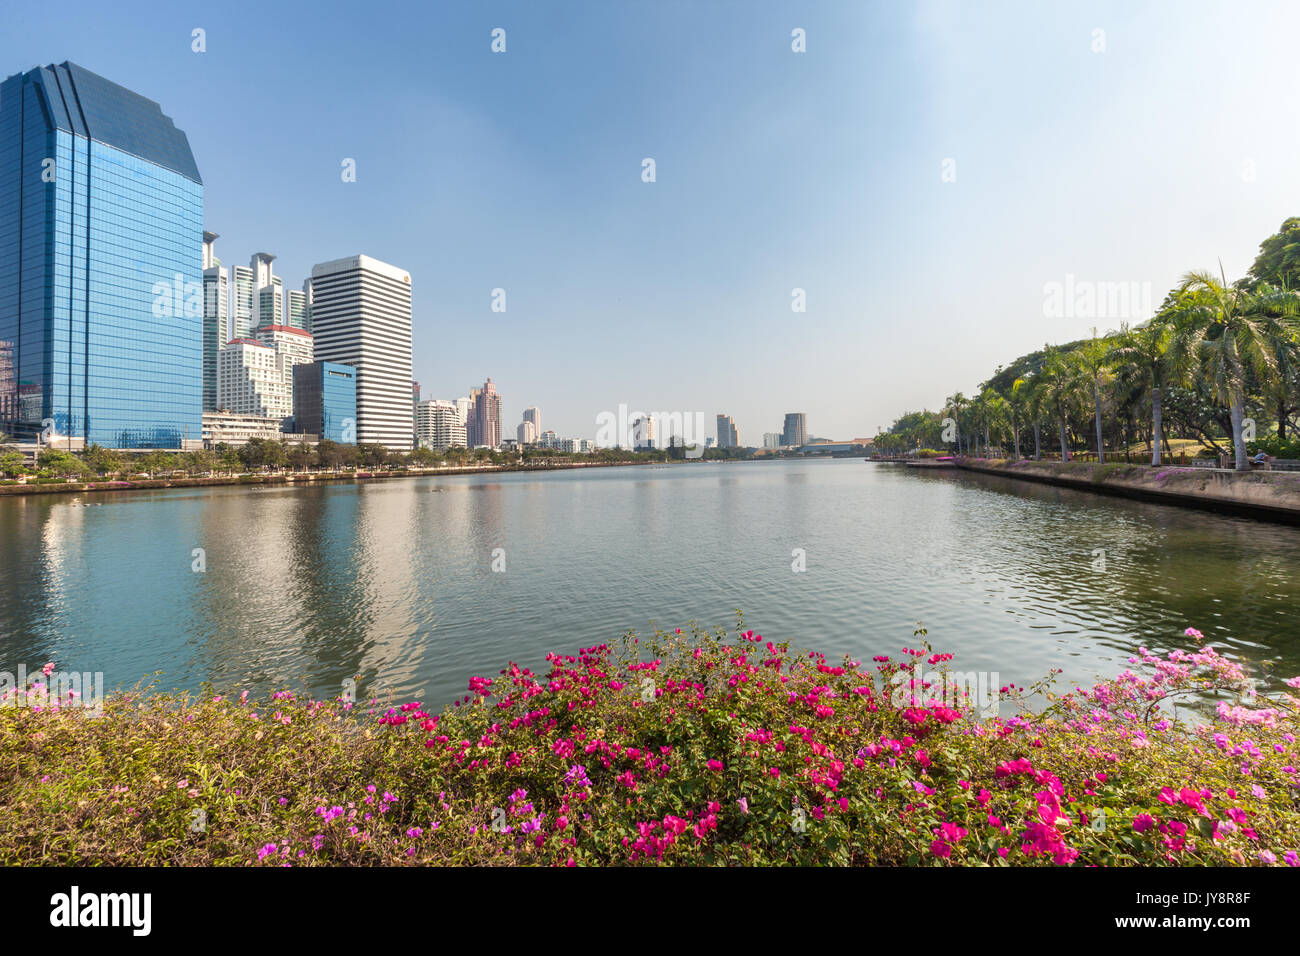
<point>216,317</point>
<point>361,316</point>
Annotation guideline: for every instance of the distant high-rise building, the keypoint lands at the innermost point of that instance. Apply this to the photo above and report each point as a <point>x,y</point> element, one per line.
<point>534,414</point>
<point>101,241</point>
<point>250,381</point>
<point>484,426</point>
<point>242,298</point>
<point>292,347</point>
<point>216,317</point>
<point>361,316</point>
<point>727,434</point>
<point>438,425</point>
<point>643,432</point>
<point>471,419</point>
<point>795,432</point>
<point>464,407</point>
<point>295,344</point>
<point>268,291</point>
<point>297,313</point>
<point>771,439</point>
<point>325,401</point>
<point>526,433</point>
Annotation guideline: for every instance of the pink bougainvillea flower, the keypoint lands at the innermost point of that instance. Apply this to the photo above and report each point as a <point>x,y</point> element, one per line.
<point>951,832</point>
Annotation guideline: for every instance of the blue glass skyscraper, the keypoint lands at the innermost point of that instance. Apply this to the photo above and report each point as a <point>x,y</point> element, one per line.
<point>101,303</point>
<point>325,401</point>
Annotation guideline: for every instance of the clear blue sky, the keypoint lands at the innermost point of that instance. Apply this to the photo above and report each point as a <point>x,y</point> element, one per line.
<point>1173,148</point>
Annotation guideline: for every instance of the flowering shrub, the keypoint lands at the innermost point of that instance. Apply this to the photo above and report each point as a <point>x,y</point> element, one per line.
<point>675,749</point>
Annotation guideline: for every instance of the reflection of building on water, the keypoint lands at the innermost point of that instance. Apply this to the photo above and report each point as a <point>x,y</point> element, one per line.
<point>336,598</point>
<point>20,403</point>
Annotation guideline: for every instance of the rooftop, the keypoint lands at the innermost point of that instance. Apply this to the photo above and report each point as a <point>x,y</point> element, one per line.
<point>84,103</point>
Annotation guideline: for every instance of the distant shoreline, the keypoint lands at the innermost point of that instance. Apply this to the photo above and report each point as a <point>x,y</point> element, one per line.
<point>294,478</point>
<point>305,478</point>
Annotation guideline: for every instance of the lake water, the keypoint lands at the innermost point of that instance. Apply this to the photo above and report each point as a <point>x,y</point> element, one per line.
<point>393,581</point>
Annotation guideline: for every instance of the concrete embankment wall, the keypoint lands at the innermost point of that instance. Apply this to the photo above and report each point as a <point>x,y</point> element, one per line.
<point>1272,496</point>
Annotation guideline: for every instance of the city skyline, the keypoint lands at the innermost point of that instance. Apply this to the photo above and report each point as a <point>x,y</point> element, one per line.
<point>559,218</point>
<point>252,333</point>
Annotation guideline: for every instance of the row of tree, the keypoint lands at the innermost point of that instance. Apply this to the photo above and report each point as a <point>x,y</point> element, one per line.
<point>1219,362</point>
<point>270,455</point>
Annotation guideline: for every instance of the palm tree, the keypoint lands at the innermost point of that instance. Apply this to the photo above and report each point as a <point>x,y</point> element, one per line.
<point>1091,358</point>
<point>1018,402</point>
<point>997,417</point>
<point>1229,331</point>
<point>954,406</point>
<point>979,411</point>
<point>1288,373</point>
<point>1059,377</point>
<point>1146,350</point>
<point>1035,407</point>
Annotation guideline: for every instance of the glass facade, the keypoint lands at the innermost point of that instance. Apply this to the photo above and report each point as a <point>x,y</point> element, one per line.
<point>101,295</point>
<point>325,401</point>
